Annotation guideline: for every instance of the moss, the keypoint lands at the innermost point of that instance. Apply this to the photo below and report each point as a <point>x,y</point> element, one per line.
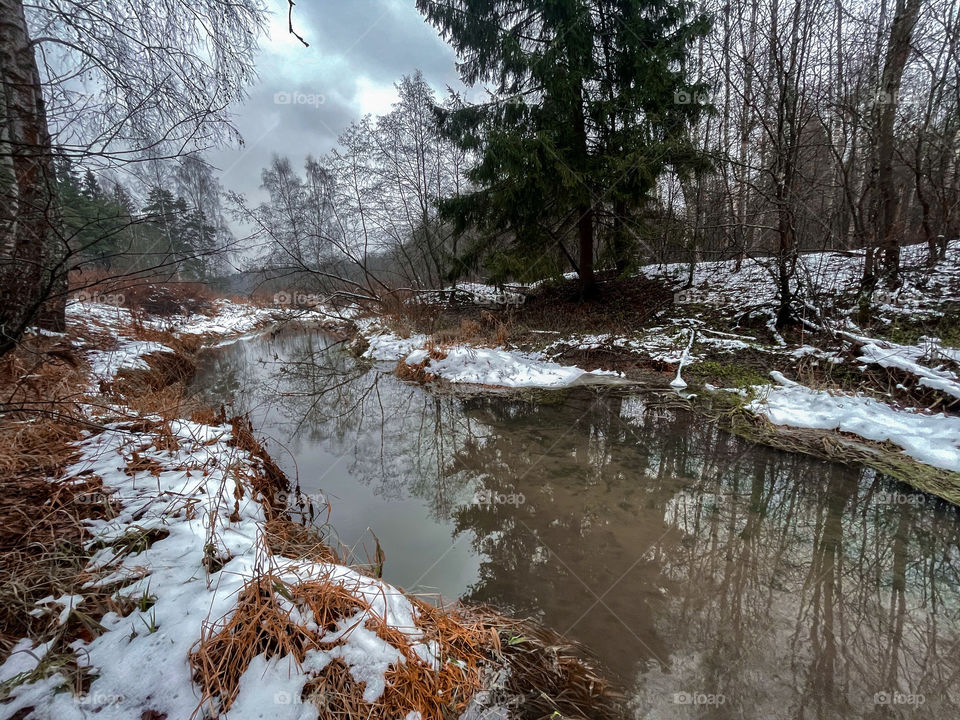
<point>728,374</point>
<point>908,330</point>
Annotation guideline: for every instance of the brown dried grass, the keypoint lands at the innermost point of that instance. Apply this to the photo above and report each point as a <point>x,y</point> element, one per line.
<point>262,624</point>
<point>416,372</point>
<point>298,542</point>
<point>264,475</point>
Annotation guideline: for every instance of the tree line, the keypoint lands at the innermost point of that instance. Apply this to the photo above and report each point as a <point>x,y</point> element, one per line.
<point>617,134</point>
<point>612,133</point>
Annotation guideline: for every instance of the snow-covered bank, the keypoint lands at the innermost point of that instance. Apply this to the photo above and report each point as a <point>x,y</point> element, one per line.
<point>182,509</point>
<point>461,363</point>
<point>226,319</point>
<point>187,547</point>
<point>933,439</point>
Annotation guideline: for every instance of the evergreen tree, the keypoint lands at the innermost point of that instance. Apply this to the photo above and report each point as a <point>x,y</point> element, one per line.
<point>170,219</point>
<point>96,223</point>
<point>591,105</point>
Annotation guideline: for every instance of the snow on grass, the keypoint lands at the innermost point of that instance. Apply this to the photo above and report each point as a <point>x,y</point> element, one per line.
<point>480,366</point>
<point>129,354</point>
<point>474,292</point>
<point>227,318</point>
<point>907,358</point>
<point>931,439</point>
<point>720,283</point>
<point>140,661</point>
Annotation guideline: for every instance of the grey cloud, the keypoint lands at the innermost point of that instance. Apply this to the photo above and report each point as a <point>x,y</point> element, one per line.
<point>351,42</point>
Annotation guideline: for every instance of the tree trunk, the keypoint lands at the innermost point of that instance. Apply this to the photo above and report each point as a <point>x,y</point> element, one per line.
<point>898,50</point>
<point>585,235</point>
<point>32,252</point>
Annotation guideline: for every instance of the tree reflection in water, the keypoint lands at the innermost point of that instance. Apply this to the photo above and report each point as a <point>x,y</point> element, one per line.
<point>688,560</point>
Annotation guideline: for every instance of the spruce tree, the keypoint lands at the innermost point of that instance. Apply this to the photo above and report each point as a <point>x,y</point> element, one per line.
<point>590,105</point>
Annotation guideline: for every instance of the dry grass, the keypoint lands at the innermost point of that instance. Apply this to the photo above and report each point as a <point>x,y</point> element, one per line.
<point>549,677</point>
<point>298,542</point>
<point>264,476</point>
<point>41,515</point>
<point>264,623</point>
<point>416,372</point>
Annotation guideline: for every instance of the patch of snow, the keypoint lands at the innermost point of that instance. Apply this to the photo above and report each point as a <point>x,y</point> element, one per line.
<point>507,368</point>
<point>104,364</point>
<point>931,439</point>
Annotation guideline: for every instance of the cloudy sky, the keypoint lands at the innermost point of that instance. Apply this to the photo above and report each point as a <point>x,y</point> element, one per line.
<point>307,95</point>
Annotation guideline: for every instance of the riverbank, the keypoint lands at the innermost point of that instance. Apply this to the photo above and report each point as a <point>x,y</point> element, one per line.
<point>150,568</point>
<point>876,384</point>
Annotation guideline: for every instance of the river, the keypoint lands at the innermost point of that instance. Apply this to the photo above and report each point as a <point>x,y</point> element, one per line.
<point>711,577</point>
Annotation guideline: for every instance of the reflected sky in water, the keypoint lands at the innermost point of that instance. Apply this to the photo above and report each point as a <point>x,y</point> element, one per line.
<point>713,578</point>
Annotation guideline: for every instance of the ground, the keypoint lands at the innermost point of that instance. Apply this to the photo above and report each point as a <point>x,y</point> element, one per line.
<point>149,571</point>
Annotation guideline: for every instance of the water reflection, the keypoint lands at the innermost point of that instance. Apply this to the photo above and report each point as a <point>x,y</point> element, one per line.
<point>717,579</point>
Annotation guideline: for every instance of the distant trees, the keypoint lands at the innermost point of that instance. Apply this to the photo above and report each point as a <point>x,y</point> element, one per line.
<point>108,234</point>
<point>106,84</point>
<point>365,216</point>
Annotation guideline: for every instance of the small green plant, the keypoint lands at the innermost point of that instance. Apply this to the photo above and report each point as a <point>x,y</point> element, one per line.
<point>151,626</point>
<point>146,600</point>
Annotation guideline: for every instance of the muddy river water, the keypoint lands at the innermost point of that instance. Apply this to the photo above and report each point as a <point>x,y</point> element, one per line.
<point>712,577</point>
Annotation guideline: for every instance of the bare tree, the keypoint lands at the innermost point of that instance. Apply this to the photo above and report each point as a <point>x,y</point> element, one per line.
<point>104,83</point>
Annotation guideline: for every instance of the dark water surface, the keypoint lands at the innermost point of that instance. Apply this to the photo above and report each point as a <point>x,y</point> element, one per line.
<point>712,577</point>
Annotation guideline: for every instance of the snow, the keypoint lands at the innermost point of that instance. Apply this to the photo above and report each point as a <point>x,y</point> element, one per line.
<point>24,658</point>
<point>478,293</point>
<point>507,368</point>
<point>930,438</point>
<point>678,382</point>
<point>129,354</point>
<point>481,366</point>
<point>906,358</point>
<point>270,689</point>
